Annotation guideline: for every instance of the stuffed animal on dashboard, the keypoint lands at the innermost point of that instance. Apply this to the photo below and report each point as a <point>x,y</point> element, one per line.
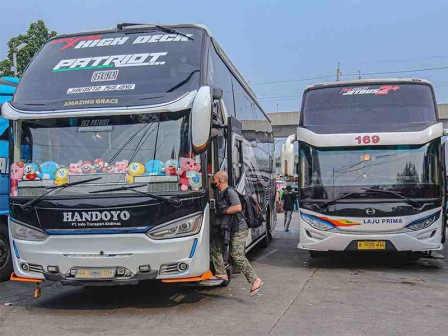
<point>31,172</point>
<point>48,169</point>
<point>189,174</point>
<point>134,169</point>
<point>86,167</point>
<point>171,167</point>
<point>17,169</point>
<point>75,168</point>
<point>122,165</point>
<point>62,176</point>
<point>154,167</point>
<point>99,166</point>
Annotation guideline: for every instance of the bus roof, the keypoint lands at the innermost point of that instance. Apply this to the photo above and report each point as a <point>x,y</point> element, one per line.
<point>219,50</point>
<point>369,81</point>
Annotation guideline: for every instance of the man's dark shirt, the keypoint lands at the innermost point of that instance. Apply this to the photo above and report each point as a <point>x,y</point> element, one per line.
<point>289,199</point>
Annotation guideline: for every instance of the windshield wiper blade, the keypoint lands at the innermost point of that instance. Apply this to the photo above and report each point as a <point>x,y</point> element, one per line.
<point>54,188</point>
<point>415,204</point>
<point>326,204</point>
<point>172,31</point>
<point>185,81</point>
<point>175,202</point>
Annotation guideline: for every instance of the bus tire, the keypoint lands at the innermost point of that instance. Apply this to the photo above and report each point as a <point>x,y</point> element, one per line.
<point>5,253</point>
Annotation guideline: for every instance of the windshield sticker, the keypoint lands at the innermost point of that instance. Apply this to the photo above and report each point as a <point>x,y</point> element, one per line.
<point>104,76</point>
<point>82,42</point>
<point>102,88</point>
<point>71,41</point>
<point>82,102</point>
<point>382,90</point>
<point>115,61</point>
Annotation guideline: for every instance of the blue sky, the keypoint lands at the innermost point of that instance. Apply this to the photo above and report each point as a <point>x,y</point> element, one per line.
<point>277,41</point>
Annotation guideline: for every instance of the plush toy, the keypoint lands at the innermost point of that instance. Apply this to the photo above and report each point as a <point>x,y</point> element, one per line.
<point>48,169</point>
<point>189,176</point>
<point>31,172</point>
<point>99,166</point>
<point>154,167</point>
<point>86,167</point>
<point>171,167</point>
<point>112,169</point>
<point>62,176</point>
<point>122,165</point>
<point>134,169</point>
<point>17,169</point>
<point>75,168</point>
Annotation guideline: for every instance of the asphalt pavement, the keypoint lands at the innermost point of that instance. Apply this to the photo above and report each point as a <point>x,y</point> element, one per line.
<point>341,294</point>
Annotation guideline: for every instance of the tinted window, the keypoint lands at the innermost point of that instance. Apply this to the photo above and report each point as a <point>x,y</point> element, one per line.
<point>221,78</point>
<point>113,69</point>
<point>369,105</point>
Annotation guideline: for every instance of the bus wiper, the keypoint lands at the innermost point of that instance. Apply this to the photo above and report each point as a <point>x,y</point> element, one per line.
<point>326,204</point>
<point>415,204</point>
<point>172,31</point>
<point>185,81</point>
<point>175,202</point>
<point>28,204</point>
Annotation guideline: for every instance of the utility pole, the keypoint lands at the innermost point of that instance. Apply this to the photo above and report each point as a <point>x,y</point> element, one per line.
<point>359,74</point>
<point>277,107</point>
<point>338,73</point>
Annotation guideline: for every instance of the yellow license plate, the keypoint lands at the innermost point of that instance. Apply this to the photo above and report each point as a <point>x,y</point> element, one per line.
<point>372,245</point>
<point>95,273</point>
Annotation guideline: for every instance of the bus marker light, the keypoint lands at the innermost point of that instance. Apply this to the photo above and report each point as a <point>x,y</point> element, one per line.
<point>193,248</point>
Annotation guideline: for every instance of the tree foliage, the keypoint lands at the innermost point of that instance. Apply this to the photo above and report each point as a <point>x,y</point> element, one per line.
<point>36,36</point>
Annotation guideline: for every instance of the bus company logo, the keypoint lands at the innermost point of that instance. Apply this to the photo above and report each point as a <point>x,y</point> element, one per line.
<point>370,211</point>
<point>104,76</point>
<point>96,218</point>
<point>114,61</point>
<point>382,90</point>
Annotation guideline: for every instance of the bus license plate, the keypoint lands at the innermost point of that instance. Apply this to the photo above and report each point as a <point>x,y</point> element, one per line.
<point>95,273</point>
<point>372,245</point>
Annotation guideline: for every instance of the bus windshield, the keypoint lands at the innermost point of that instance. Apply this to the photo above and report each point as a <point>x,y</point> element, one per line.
<point>122,68</point>
<point>369,107</point>
<point>411,170</point>
<point>153,150</point>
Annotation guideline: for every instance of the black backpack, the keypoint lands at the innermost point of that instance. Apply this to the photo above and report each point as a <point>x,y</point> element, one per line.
<point>251,210</point>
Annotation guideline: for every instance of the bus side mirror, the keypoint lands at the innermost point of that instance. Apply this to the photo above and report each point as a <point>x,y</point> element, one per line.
<point>287,156</point>
<point>201,118</point>
<point>445,131</point>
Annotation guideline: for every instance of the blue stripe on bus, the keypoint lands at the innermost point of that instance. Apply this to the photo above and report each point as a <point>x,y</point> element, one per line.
<point>193,248</point>
<point>81,232</point>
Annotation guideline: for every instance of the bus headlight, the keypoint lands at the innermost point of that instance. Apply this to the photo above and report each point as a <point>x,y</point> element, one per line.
<point>182,228</point>
<point>317,223</point>
<point>23,232</point>
<point>424,222</point>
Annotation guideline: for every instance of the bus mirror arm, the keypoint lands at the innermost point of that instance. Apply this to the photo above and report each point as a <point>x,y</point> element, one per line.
<point>217,93</point>
<point>287,156</point>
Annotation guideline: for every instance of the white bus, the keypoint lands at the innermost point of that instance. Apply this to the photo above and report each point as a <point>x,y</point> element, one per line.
<point>371,167</point>
<point>115,135</point>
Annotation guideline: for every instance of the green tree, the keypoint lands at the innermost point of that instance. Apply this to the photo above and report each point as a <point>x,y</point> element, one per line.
<point>36,36</point>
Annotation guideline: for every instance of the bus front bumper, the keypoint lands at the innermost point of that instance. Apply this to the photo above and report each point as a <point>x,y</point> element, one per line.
<point>134,257</point>
<point>422,240</point>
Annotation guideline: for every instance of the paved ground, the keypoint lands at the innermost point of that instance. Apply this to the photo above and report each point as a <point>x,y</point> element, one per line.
<point>341,295</point>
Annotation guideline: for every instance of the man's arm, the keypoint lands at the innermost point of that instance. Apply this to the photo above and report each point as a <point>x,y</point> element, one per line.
<point>233,209</point>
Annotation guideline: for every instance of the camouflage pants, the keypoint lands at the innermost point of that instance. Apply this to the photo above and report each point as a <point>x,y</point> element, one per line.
<point>238,253</point>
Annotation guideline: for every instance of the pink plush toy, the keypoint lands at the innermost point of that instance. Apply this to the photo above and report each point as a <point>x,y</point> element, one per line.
<point>17,170</point>
<point>189,176</point>
<point>122,165</point>
<point>75,168</point>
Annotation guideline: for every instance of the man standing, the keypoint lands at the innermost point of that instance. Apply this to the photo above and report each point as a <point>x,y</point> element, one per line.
<point>230,229</point>
<point>289,199</point>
